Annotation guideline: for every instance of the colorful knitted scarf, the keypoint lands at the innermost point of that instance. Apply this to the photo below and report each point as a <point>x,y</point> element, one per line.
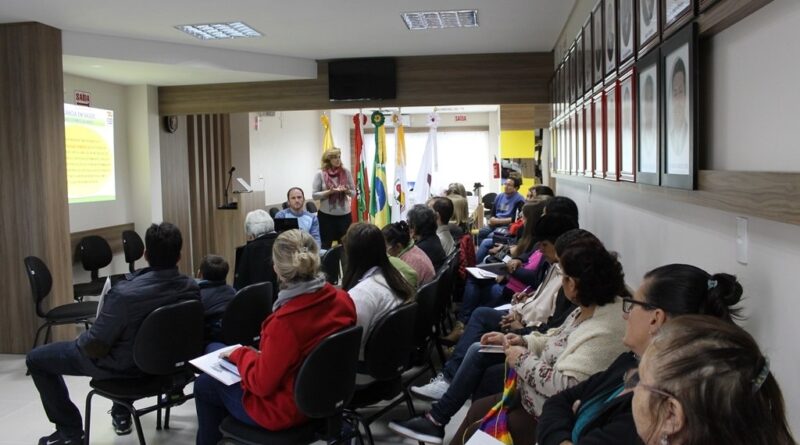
<point>334,177</point>
<point>495,422</point>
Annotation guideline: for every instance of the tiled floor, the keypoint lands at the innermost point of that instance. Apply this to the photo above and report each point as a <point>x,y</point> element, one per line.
<point>23,422</point>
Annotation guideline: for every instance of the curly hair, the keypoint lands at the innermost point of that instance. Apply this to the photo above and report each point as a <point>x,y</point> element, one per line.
<point>597,272</point>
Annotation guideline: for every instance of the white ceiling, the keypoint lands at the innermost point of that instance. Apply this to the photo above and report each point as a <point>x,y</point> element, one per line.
<point>136,42</point>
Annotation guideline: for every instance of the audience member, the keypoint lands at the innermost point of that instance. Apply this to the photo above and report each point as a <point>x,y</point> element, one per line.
<point>214,293</point>
<point>306,221</point>
<point>584,344</point>
<point>254,259</point>
<point>306,311</point>
<point>333,187</point>
<point>504,210</point>
<point>443,208</point>
<point>375,286</point>
<point>400,245</point>
<point>422,223</point>
<point>458,195</point>
<point>105,351</point>
<point>703,380</point>
<point>599,409</point>
<point>539,191</point>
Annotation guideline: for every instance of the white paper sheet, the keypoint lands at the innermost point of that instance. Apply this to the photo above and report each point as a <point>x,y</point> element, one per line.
<point>211,364</point>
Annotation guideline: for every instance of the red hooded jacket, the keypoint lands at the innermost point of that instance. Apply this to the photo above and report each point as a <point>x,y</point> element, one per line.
<point>287,337</point>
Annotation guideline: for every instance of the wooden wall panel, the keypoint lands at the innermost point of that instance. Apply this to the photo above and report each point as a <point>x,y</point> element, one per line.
<point>517,78</point>
<point>34,217</point>
<point>525,116</point>
<point>175,186</point>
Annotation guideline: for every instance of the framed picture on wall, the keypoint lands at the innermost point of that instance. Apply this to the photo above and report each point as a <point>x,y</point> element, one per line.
<point>572,153</point>
<point>599,135</point>
<point>627,26</point>
<point>572,77</point>
<point>627,126</point>
<point>579,66</point>
<point>587,56</point>
<point>675,14</point>
<point>648,113</point>
<point>588,137</point>
<point>679,115</point>
<point>649,21</point>
<point>610,33</point>
<point>580,137</point>
<point>612,133</point>
<point>598,55</point>
<point>558,92</point>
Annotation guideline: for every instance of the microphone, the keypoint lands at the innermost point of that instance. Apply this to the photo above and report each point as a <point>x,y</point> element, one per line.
<point>226,204</point>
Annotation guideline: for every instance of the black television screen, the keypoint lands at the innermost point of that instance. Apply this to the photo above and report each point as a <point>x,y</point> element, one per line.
<point>362,79</point>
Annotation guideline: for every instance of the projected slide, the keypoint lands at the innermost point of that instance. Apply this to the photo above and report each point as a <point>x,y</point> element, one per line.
<point>90,154</point>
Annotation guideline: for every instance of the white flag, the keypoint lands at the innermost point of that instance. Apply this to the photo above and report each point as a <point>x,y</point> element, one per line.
<point>422,186</point>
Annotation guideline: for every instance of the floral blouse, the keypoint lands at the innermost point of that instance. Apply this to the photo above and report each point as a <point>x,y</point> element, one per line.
<point>537,378</point>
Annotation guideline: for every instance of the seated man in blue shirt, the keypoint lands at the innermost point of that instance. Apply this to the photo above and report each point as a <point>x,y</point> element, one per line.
<point>504,212</point>
<point>306,221</point>
<point>105,351</point>
<point>215,294</point>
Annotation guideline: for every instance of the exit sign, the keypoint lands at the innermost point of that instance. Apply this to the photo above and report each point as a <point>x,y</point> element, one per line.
<point>461,117</point>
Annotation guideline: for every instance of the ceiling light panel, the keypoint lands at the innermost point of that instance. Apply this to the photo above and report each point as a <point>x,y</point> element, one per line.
<point>216,31</point>
<point>417,21</point>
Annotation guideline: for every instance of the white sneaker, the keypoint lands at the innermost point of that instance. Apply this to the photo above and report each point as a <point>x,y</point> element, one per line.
<point>434,390</point>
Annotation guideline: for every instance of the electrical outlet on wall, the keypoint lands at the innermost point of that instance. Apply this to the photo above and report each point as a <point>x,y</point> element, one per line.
<point>742,242</point>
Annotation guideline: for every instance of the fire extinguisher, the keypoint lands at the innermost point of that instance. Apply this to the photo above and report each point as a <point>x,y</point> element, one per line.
<point>496,168</point>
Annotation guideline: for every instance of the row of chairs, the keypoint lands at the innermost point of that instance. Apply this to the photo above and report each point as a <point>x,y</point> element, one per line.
<point>94,253</point>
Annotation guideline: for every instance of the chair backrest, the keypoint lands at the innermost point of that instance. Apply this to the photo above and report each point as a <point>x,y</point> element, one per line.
<point>427,309</point>
<point>169,337</point>
<point>311,207</point>
<point>326,380</point>
<point>133,247</point>
<point>94,254</point>
<point>40,279</point>
<point>242,319</point>
<point>391,343</point>
<point>331,263</point>
<point>273,211</point>
<point>488,200</point>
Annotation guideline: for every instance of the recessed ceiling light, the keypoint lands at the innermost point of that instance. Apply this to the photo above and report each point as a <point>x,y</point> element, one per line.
<point>215,31</point>
<point>417,21</point>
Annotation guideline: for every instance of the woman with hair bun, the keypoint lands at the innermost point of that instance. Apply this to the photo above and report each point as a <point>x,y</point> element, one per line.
<point>375,286</point>
<point>702,381</point>
<point>306,311</point>
<point>598,411</point>
<point>400,245</point>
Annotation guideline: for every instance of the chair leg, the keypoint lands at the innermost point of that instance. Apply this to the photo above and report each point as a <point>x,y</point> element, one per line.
<point>158,414</point>
<point>166,415</point>
<point>38,333</point>
<point>48,333</point>
<point>409,402</point>
<point>87,422</point>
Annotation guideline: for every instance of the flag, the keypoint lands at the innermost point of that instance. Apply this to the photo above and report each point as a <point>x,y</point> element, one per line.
<point>360,205</point>
<point>422,186</point>
<point>327,137</point>
<point>400,184</point>
<point>379,208</point>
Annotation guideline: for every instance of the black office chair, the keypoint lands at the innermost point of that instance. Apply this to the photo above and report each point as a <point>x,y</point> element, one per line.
<point>425,334</point>
<point>167,339</point>
<point>133,247</point>
<point>331,264</point>
<point>94,253</point>
<point>488,203</point>
<point>311,207</point>
<point>387,354</point>
<point>41,284</point>
<point>273,211</point>
<point>242,319</point>
<point>323,387</point>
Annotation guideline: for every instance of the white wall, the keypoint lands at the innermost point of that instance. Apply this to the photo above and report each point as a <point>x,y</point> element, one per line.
<point>752,127</point>
<point>285,151</point>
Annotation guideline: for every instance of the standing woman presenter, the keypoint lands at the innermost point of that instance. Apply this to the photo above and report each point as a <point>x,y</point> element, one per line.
<point>333,187</point>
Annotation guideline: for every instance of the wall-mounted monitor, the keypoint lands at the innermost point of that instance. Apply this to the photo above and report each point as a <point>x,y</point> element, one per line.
<point>362,79</point>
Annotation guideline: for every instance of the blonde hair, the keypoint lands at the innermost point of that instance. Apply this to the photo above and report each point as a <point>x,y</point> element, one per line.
<point>326,162</point>
<point>296,256</point>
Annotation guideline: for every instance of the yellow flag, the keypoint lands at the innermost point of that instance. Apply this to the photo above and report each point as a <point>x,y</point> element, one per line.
<point>327,138</point>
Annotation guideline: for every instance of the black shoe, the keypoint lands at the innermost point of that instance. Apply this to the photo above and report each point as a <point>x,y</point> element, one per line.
<point>419,428</point>
<point>122,423</point>
<point>57,439</point>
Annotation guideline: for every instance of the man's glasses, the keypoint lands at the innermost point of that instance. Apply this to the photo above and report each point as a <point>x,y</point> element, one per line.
<point>627,305</point>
